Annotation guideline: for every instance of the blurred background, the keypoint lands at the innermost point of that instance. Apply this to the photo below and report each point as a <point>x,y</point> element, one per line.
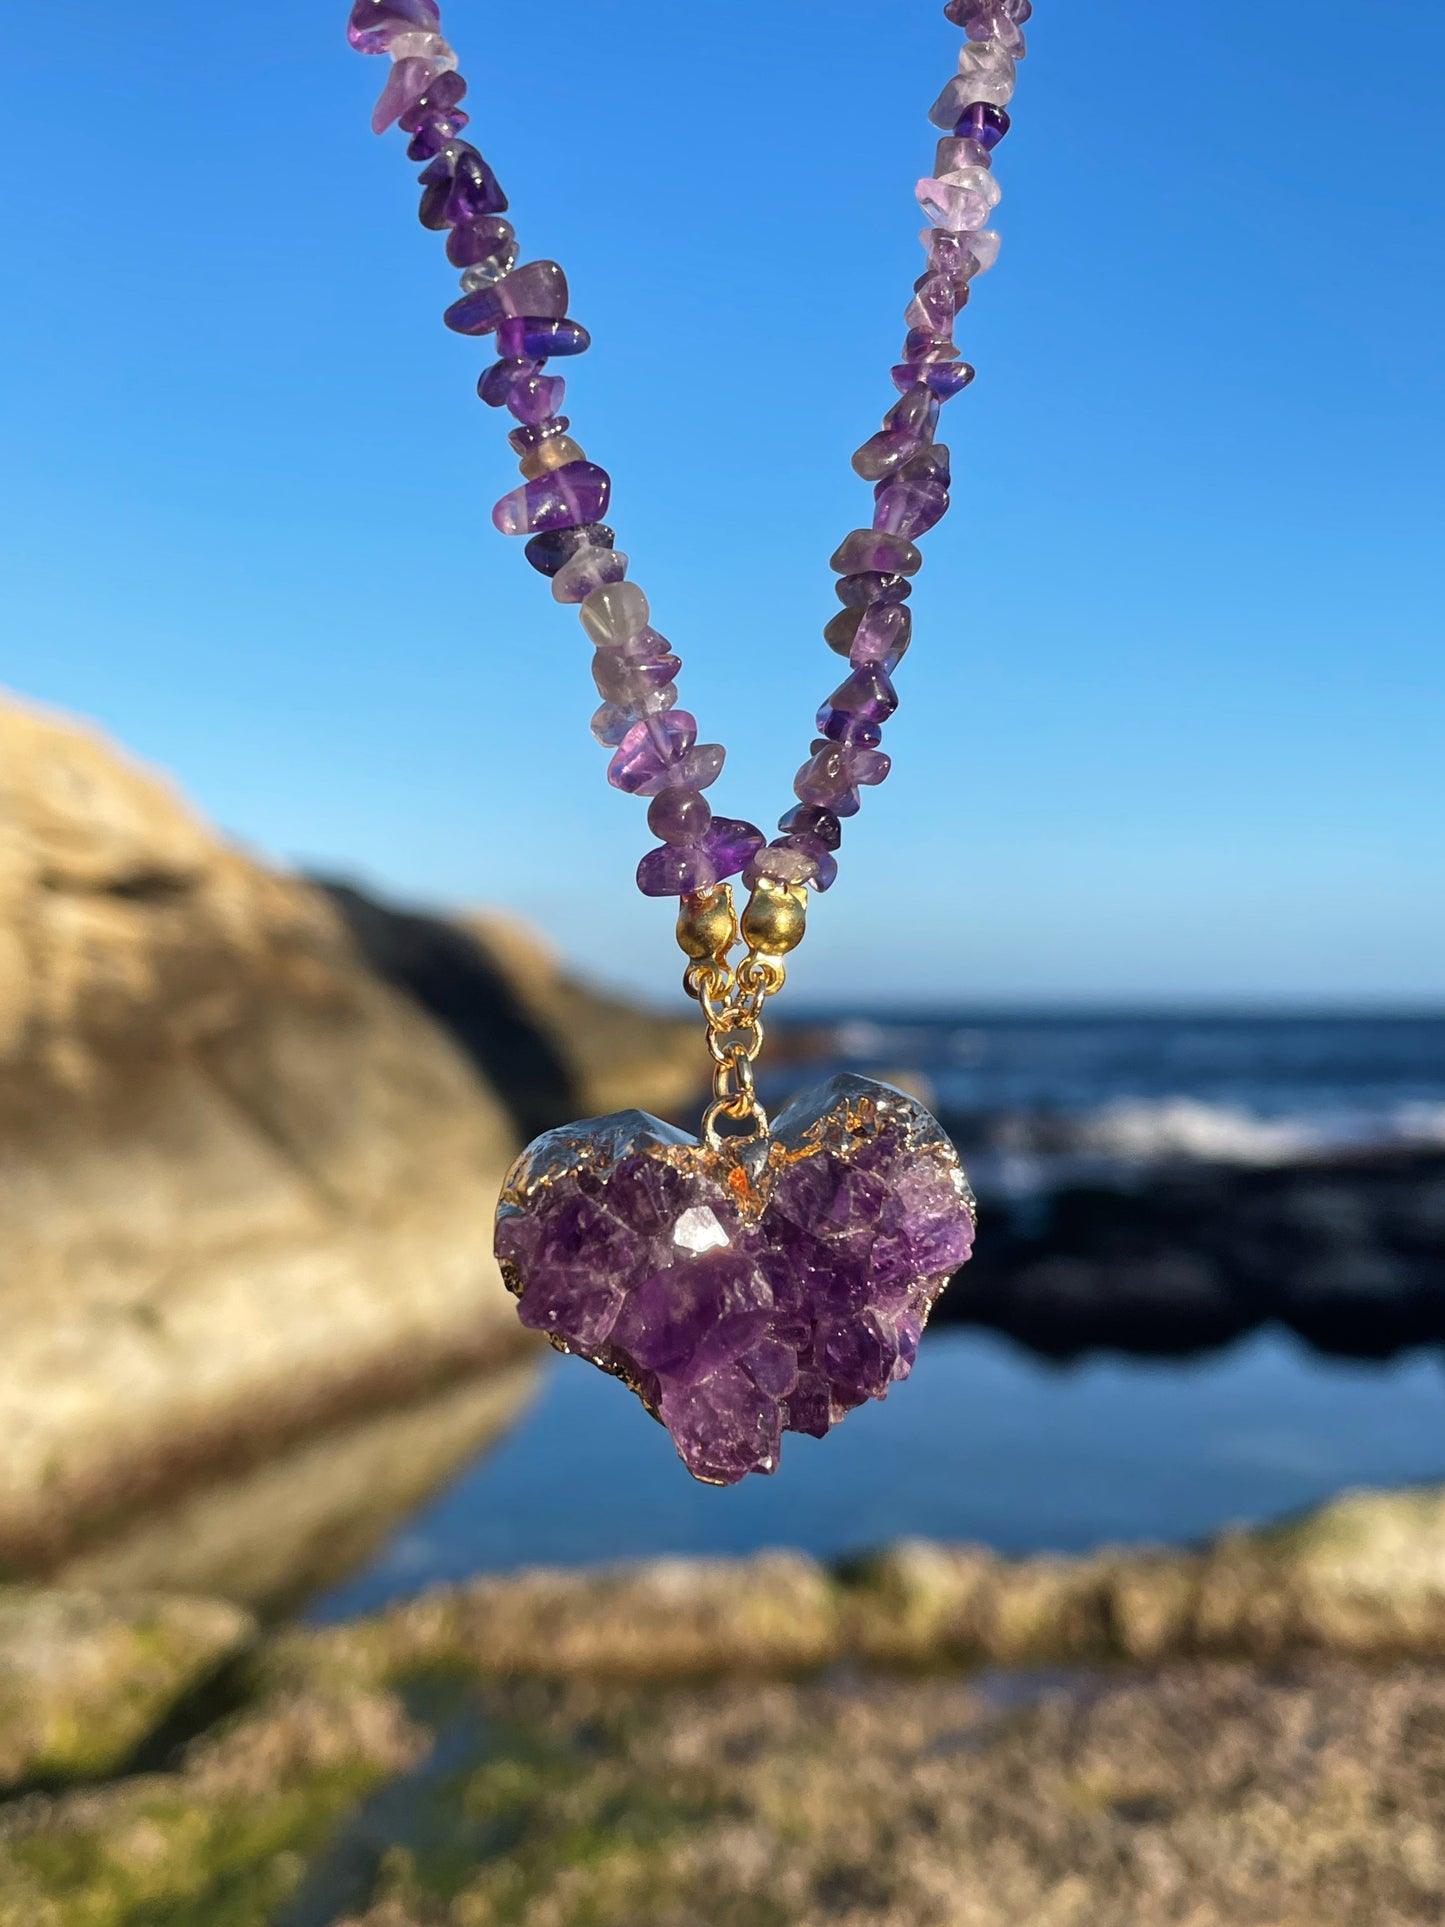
<point>315,905</point>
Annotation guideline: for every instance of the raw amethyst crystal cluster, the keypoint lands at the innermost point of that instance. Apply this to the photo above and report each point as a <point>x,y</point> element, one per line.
<point>764,1286</point>
<point>564,499</point>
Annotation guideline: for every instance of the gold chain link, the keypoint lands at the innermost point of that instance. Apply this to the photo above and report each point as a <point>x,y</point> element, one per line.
<point>732,1000</point>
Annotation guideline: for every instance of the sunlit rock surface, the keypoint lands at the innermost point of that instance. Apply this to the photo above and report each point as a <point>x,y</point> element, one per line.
<point>247,1176</point>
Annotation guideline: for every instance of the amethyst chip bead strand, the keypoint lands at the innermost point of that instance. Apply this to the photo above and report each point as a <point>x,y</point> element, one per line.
<point>911,471</point>
<point>563,499</point>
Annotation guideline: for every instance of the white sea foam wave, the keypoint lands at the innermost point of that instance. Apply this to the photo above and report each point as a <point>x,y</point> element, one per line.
<point>1146,1131</point>
<point>1185,1127</point>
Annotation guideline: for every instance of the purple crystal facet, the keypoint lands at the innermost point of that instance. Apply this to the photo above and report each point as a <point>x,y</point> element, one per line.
<point>748,1289</point>
<point>577,492</point>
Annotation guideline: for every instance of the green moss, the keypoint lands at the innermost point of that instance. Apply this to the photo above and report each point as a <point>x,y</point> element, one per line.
<point>173,1862</point>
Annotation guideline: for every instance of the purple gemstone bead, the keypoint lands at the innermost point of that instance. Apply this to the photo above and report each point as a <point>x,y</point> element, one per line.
<point>784,862</point>
<point>907,427</point>
<point>587,570</point>
<point>825,864</point>
<point>624,678</point>
<point>487,239</point>
<point>945,379</point>
<point>821,825</point>
<point>839,632</point>
<point>823,780</point>
<point>935,306</point>
<point>908,374</point>
<point>547,553</point>
<point>539,289</point>
<point>1000,20</point>
<point>437,131</point>
<point>862,591</point>
<point>885,453</point>
<point>957,151</point>
<point>441,96</point>
<point>612,721</point>
<point>459,189</point>
<point>674,870</point>
<point>963,255</point>
<point>376,23</point>
<point>842,726</point>
<point>984,123</point>
<point>867,693</point>
<point>531,435</point>
<point>917,410</point>
<point>867,549</point>
<point>961,204</point>
<point>653,754</point>
<point>732,844</point>
<point>833,774</point>
<point>931,464</point>
<point>882,638</point>
<point>536,398</point>
<point>498,381</point>
<point>910,508</point>
<point>698,770</point>
<point>406,84</point>
<point>541,338</point>
<point>680,816</point>
<point>565,499</point>
<point>921,344</point>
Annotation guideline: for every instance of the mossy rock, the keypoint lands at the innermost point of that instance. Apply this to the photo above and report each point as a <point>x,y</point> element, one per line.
<point>85,1679</point>
<point>221,1843</point>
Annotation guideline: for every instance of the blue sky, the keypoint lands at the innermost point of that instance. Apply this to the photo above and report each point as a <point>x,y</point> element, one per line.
<point>1172,722</point>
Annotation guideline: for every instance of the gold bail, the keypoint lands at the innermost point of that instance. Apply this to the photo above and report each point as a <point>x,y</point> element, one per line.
<point>732,997</point>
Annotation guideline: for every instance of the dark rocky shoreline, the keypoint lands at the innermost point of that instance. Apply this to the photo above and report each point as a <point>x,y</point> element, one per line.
<point>1346,1251</point>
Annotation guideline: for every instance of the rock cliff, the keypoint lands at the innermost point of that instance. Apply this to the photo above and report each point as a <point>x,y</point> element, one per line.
<point>247,1172</point>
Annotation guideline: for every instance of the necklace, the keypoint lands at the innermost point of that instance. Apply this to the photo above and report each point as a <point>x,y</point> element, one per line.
<point>766,1278</point>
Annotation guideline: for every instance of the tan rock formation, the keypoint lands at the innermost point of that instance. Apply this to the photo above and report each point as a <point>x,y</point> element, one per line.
<point>601,1038</point>
<point>246,1183</point>
<point>276,1533</point>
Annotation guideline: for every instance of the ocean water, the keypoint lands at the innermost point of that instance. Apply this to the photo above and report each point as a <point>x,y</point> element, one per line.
<point>988,1443</point>
<point>1037,1096</point>
<point>984,1444</point>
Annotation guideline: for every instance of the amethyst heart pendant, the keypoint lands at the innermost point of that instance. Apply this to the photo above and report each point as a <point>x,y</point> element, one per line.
<point>743,1287</point>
